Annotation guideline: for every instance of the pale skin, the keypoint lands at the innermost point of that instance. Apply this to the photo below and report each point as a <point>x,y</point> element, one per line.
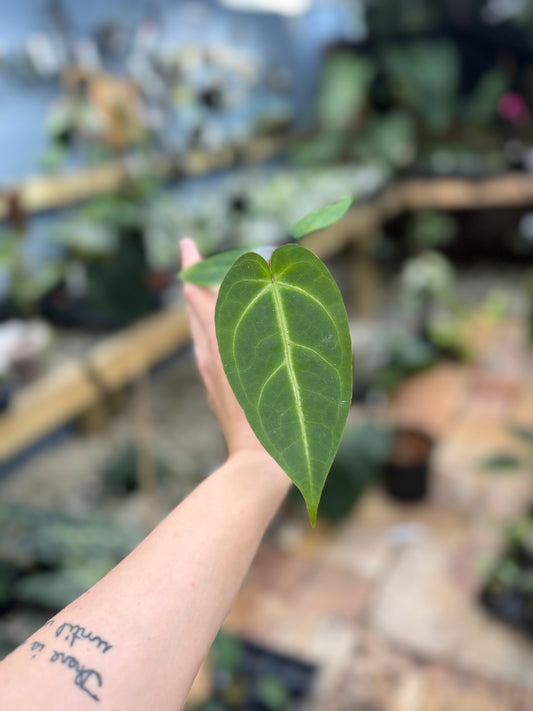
<point>136,639</point>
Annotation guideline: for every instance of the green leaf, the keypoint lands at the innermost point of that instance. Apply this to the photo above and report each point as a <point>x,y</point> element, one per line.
<point>501,462</point>
<point>285,345</point>
<point>343,90</point>
<point>212,270</point>
<point>523,433</point>
<point>322,218</point>
<point>273,693</point>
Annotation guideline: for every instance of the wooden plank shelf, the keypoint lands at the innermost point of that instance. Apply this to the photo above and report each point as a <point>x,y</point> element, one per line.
<point>69,390</point>
<point>54,191</point>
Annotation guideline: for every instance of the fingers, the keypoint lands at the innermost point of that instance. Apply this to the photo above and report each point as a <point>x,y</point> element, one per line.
<point>189,252</point>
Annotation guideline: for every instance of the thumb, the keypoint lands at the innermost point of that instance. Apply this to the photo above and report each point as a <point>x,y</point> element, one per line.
<point>189,253</point>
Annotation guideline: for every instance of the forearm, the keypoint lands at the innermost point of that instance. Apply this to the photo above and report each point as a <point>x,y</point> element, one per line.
<point>154,616</point>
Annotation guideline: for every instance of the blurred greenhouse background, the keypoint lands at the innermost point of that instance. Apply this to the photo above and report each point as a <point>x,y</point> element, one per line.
<point>127,125</point>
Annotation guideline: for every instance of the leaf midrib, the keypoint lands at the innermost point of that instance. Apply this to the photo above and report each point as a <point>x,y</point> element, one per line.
<point>292,375</point>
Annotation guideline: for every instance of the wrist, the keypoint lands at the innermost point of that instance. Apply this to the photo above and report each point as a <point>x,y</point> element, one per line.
<point>257,464</point>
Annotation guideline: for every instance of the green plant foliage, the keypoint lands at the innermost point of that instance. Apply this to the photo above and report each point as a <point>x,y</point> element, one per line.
<point>406,355</point>
<point>211,705</point>
<point>482,106</point>
<point>343,89</point>
<point>53,590</point>
<point>390,138</point>
<point>358,463</point>
<point>429,229</point>
<point>272,693</point>
<point>501,463</point>
<point>87,239</point>
<point>227,652</point>
<point>212,270</point>
<point>74,552</point>
<point>9,247</point>
<point>325,217</point>
<point>120,471</point>
<point>523,433</point>
<point>425,75</point>
<point>285,345</point>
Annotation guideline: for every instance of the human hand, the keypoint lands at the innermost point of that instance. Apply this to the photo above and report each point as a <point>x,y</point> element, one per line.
<point>201,302</point>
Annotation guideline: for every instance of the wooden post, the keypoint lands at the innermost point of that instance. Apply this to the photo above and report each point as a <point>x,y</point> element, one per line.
<point>144,439</point>
<point>364,277</point>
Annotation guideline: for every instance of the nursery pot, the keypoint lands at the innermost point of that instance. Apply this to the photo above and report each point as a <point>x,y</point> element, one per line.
<point>239,688</point>
<point>406,472</point>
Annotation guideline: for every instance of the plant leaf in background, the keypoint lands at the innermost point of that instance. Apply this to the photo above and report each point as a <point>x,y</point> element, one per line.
<point>501,463</point>
<point>343,90</point>
<point>325,217</point>
<point>212,270</point>
<point>523,433</point>
<point>284,341</point>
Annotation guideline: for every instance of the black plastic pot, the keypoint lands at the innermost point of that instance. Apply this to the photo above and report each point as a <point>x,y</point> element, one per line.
<point>406,474</point>
<point>258,663</point>
<point>61,309</point>
<point>510,606</point>
<point>507,597</point>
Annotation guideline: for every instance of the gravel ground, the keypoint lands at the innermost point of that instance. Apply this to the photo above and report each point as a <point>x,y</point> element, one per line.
<point>67,474</point>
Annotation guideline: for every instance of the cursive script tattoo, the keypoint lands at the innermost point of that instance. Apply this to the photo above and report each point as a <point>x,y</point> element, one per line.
<point>72,633</point>
<point>88,680</point>
<point>36,647</point>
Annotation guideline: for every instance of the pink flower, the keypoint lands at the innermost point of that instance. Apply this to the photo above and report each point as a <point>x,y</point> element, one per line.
<point>512,107</point>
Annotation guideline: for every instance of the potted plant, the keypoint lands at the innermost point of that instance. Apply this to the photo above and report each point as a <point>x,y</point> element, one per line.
<point>249,677</point>
<point>25,285</point>
<point>49,557</point>
<point>105,243</point>
<point>508,591</point>
<point>359,463</point>
<point>407,469</point>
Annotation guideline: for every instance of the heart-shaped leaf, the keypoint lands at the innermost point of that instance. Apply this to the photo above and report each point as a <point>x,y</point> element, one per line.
<point>212,270</point>
<point>284,341</point>
<point>325,217</point>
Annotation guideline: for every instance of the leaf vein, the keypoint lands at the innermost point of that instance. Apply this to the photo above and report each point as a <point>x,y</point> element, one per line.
<point>319,355</point>
<point>292,378</point>
<point>274,372</point>
<point>293,287</point>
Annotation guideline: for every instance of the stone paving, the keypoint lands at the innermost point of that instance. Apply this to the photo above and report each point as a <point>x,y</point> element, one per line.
<point>386,603</point>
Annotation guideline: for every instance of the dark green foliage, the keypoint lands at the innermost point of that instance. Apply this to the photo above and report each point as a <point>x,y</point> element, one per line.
<point>425,75</point>
<point>508,592</point>
<point>429,229</point>
<point>272,693</point>
<point>406,355</point>
<point>358,463</point>
<point>246,677</point>
<point>501,463</point>
<point>523,433</point>
<point>48,557</point>
<point>120,472</point>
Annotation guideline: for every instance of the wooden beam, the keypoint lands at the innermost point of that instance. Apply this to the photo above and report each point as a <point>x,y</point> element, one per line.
<point>509,190</point>
<point>70,389</point>
<point>52,191</point>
